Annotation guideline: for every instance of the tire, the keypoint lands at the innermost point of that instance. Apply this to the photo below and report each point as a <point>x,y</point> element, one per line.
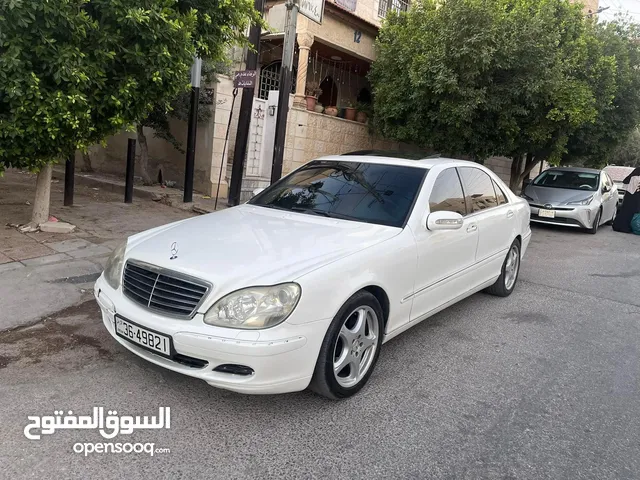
<point>507,280</point>
<point>596,223</point>
<point>342,380</point>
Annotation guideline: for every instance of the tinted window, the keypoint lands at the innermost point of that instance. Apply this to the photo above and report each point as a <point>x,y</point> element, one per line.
<point>502,198</point>
<point>568,179</point>
<point>365,192</point>
<point>447,193</point>
<point>478,188</point>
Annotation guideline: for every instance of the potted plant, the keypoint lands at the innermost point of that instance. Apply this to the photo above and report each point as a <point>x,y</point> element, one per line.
<point>350,112</point>
<point>361,115</point>
<point>319,108</point>
<point>331,111</point>
<point>312,91</point>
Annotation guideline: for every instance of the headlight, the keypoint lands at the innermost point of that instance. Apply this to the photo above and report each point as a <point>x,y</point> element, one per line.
<point>585,201</point>
<point>113,268</point>
<point>256,307</point>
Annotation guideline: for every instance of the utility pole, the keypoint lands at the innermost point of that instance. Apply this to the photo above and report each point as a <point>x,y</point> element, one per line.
<point>192,130</point>
<point>285,89</point>
<point>244,118</point>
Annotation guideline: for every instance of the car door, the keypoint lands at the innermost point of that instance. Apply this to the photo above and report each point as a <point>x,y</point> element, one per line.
<point>496,222</point>
<point>444,256</point>
<point>609,197</point>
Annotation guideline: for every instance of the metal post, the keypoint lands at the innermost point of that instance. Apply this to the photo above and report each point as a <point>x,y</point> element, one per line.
<point>192,130</point>
<point>131,162</point>
<point>244,117</point>
<point>69,179</point>
<point>285,89</point>
<point>224,148</point>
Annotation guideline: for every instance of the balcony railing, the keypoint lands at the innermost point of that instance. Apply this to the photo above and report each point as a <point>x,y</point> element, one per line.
<point>389,5</point>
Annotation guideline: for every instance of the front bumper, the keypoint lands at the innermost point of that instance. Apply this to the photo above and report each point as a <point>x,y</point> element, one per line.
<point>578,216</point>
<point>283,358</point>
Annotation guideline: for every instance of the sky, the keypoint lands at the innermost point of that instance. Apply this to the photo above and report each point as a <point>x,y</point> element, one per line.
<point>620,6</point>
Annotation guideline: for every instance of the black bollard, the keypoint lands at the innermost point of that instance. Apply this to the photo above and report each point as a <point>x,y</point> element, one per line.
<point>69,177</point>
<point>131,162</point>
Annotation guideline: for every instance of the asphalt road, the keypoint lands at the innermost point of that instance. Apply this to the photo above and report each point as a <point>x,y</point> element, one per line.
<point>543,384</point>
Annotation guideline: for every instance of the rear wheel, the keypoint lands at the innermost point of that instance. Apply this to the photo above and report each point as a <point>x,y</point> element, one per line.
<point>350,348</point>
<point>509,276</point>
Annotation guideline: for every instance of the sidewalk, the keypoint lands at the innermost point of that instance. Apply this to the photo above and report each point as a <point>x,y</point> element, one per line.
<point>42,273</point>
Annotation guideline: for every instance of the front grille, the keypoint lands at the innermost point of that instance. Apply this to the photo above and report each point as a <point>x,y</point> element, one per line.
<point>163,290</point>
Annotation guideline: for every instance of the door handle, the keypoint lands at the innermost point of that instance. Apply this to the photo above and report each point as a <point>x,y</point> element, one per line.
<point>472,228</point>
<point>510,214</point>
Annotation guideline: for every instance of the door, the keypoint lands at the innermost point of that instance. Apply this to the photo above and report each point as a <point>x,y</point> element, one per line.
<point>609,199</point>
<point>495,218</point>
<point>444,256</point>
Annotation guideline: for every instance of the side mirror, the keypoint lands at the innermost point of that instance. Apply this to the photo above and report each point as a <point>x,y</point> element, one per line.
<point>444,221</point>
<point>258,191</point>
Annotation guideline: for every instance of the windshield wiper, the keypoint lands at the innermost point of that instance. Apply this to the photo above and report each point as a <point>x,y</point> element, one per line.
<point>324,213</point>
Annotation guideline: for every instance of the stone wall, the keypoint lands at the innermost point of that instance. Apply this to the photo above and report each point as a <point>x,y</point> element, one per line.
<point>311,135</point>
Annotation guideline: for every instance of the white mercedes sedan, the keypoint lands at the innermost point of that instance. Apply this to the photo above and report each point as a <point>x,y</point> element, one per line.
<point>301,286</point>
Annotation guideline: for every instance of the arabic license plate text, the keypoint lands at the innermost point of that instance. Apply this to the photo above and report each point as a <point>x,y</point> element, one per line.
<point>546,213</point>
<point>141,336</point>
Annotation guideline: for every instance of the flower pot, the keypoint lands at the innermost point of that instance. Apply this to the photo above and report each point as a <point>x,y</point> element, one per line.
<point>311,102</point>
<point>331,111</point>
<point>350,113</point>
<point>361,117</point>
<point>318,108</point>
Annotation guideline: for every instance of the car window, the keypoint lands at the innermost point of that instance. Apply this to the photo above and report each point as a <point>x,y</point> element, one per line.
<point>502,198</point>
<point>359,191</point>
<point>568,179</point>
<point>447,193</point>
<point>478,189</point>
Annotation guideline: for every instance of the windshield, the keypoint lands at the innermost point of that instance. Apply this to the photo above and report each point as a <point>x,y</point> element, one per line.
<point>570,180</point>
<point>364,192</point>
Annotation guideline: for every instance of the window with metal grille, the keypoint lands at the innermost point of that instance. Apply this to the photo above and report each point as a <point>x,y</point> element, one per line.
<point>396,5</point>
<point>270,79</point>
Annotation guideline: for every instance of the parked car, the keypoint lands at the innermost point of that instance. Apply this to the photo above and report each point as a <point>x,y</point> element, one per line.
<point>572,197</point>
<point>617,174</point>
<point>302,285</point>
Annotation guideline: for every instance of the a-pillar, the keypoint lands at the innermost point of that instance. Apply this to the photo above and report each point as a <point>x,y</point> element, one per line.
<point>305,41</point>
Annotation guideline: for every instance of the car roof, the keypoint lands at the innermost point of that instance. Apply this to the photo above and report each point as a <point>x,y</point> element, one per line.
<point>574,169</point>
<point>426,162</point>
<point>618,172</point>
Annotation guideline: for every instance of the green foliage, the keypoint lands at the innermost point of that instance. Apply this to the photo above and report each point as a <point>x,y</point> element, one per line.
<point>73,72</point>
<point>627,153</point>
<point>516,78</point>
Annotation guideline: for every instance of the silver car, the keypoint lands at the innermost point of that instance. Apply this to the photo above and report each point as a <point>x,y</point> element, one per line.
<point>572,197</point>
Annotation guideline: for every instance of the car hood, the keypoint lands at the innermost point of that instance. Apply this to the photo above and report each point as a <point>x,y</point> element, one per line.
<point>249,245</point>
<point>556,196</point>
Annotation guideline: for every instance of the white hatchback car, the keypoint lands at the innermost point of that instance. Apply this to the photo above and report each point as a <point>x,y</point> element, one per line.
<point>302,285</point>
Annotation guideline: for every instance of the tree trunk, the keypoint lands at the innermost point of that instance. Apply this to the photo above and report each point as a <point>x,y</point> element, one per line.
<point>516,168</point>
<point>144,156</point>
<point>86,162</point>
<point>519,172</point>
<point>40,212</point>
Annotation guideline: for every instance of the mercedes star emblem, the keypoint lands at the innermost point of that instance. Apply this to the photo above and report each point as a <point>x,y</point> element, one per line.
<point>174,251</point>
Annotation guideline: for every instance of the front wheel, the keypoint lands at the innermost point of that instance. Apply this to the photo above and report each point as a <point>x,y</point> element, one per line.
<point>596,223</point>
<point>509,275</point>
<point>350,348</point>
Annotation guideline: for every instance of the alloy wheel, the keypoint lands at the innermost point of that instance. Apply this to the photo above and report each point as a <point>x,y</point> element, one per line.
<point>355,347</point>
<point>511,268</point>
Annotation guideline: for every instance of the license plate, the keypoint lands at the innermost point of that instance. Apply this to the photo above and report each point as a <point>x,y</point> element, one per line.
<point>546,213</point>
<point>150,340</point>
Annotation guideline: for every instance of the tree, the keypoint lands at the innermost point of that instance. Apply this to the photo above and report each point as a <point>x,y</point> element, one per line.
<point>159,117</point>
<point>627,153</point>
<point>73,72</point>
<point>512,78</point>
